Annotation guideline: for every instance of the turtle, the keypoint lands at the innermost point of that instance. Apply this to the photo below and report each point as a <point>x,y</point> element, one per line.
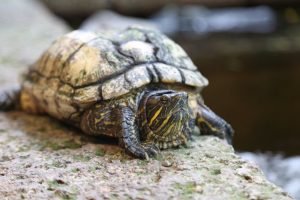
<point>136,85</point>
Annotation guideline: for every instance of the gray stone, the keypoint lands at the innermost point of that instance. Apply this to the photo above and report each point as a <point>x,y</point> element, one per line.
<point>278,169</point>
<point>27,28</point>
<point>42,159</point>
<point>24,23</point>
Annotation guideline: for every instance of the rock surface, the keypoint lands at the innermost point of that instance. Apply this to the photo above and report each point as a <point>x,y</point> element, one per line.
<point>27,28</point>
<point>278,169</point>
<point>42,159</point>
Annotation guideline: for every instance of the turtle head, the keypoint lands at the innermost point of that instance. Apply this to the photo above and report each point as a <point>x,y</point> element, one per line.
<point>167,114</point>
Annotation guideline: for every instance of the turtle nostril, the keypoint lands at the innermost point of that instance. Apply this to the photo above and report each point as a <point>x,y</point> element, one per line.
<point>165,98</point>
<point>184,95</point>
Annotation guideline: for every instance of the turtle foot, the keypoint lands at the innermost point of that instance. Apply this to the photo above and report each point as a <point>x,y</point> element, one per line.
<point>144,151</point>
<point>9,97</point>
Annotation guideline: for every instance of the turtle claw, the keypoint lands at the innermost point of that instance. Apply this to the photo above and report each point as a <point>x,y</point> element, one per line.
<point>228,133</point>
<point>151,150</point>
<point>144,151</point>
<point>146,156</point>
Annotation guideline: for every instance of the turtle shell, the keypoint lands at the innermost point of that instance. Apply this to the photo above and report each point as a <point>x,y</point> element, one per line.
<point>82,67</point>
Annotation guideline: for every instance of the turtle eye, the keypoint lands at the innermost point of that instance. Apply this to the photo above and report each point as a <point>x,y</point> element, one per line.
<point>164,99</point>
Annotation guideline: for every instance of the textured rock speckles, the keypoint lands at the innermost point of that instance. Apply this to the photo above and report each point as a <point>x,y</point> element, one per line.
<point>40,158</point>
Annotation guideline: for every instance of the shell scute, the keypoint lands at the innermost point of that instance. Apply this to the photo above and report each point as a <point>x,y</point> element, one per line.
<point>169,52</point>
<point>115,87</point>
<point>87,95</point>
<point>138,76</point>
<point>167,73</point>
<point>140,52</point>
<point>194,78</point>
<point>52,61</point>
<point>82,68</point>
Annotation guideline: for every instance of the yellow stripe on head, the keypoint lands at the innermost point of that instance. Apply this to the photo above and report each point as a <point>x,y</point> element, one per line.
<point>155,116</point>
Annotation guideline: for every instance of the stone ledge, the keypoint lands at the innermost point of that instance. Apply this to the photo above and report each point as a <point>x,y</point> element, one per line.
<point>41,158</point>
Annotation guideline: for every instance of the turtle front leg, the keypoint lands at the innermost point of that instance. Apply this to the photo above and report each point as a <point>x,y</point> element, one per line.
<point>9,97</point>
<point>101,119</point>
<point>130,138</point>
<point>210,123</point>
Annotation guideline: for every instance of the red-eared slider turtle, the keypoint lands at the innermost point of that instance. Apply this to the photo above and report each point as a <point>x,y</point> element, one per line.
<point>137,85</point>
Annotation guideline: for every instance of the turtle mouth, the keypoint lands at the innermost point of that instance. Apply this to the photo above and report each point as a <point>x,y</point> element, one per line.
<point>176,141</point>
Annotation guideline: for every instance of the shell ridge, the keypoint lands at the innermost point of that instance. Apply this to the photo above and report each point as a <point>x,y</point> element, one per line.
<point>182,76</point>
<point>124,70</point>
<point>150,73</point>
<point>120,69</point>
<point>159,75</point>
<point>129,82</point>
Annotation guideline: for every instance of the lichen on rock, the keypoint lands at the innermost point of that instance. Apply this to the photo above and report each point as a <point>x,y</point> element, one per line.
<point>42,158</point>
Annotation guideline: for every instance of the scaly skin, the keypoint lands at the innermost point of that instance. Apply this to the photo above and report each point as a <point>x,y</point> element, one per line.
<point>160,119</point>
<point>145,122</point>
